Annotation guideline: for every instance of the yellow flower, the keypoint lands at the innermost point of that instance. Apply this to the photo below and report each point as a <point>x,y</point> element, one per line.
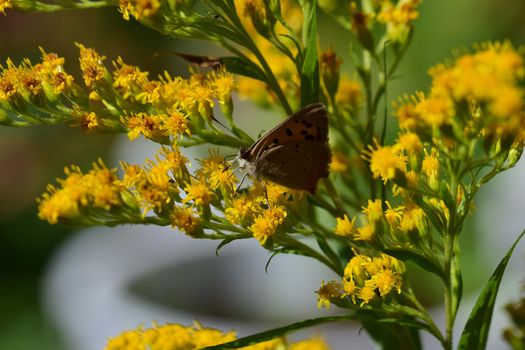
<point>373,210</point>
<point>150,91</point>
<point>435,110</point>
<point>364,277</point>
<point>214,162</point>
<point>253,90</point>
<point>127,78</point>
<point>142,124</point>
<point>93,70</point>
<point>310,344</point>
<point>204,337</point>
<point>386,280</point>
<point>274,344</point>
<point>176,162</point>
<point>507,101</point>
<point>365,233</point>
<point>430,168</point>
<point>349,287</point>
<point>176,124</point>
<point>398,18</point>
<point>386,162</point>
<point>201,95</point>
<point>169,337</point>
<point>57,204</point>
<point>199,192</point>
<point>8,81</point>
<point>330,290</point>
<point>223,84</point>
<point>340,162</point>
<point>413,219</point>
<point>407,115</point>
<point>5,4</point>
<point>265,225</point>
<point>409,142</point>
<point>278,194</point>
<point>133,175</point>
<point>184,219</point>
<point>99,188</point>
<point>60,82</point>
<point>355,269</point>
<point>242,209</point>
<point>141,8</point>
<point>129,340</point>
<point>367,292</point>
<point>225,179</point>
<point>344,226</point>
<point>393,215</point>
<point>89,121</point>
<point>349,93</point>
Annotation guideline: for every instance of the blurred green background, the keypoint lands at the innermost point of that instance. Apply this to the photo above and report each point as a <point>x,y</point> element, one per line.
<point>32,157</point>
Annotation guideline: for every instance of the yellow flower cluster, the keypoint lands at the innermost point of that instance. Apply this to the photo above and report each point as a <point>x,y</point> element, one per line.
<point>178,337</point>
<point>366,277</point>
<point>165,186</point>
<point>98,189</point>
<point>479,94</point>
<point>265,225</point>
<point>163,110</point>
<point>33,83</point>
<point>398,18</point>
<point>140,9</point>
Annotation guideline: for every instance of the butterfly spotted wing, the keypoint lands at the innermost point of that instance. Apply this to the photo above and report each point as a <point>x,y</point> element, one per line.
<point>297,165</point>
<point>295,153</point>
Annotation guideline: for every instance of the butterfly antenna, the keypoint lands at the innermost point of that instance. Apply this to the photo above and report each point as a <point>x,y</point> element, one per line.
<point>221,124</point>
<point>383,133</point>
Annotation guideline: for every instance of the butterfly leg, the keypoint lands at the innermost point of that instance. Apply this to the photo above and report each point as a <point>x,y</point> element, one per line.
<point>266,195</point>
<point>240,184</point>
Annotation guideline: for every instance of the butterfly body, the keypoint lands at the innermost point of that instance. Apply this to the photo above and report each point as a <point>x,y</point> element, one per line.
<point>295,153</point>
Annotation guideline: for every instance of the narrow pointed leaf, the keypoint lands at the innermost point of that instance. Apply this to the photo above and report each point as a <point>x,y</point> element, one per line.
<point>224,242</point>
<point>310,68</point>
<point>279,332</point>
<point>243,66</point>
<point>476,330</point>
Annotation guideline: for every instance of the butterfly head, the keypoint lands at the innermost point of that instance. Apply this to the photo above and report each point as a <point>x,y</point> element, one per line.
<point>243,161</point>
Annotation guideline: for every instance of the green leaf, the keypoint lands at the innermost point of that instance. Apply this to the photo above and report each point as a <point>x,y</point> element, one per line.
<point>370,317</point>
<point>398,334</point>
<point>310,68</point>
<point>243,66</point>
<point>224,242</point>
<point>423,262</point>
<point>327,250</point>
<point>476,330</point>
<point>279,332</point>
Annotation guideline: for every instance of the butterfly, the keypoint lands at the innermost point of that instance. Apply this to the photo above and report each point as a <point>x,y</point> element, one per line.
<point>295,153</point>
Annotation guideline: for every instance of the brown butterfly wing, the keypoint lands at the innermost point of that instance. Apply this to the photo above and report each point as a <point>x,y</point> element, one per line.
<point>310,124</point>
<point>297,165</point>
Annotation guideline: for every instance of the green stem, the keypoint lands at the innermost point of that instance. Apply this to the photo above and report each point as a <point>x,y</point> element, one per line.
<point>250,44</point>
<point>449,321</point>
<point>338,202</point>
<point>423,314</point>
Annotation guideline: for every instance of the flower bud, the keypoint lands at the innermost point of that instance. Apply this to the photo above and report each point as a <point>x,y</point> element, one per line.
<point>330,64</point>
<point>515,153</point>
<point>261,16</point>
<point>359,22</point>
